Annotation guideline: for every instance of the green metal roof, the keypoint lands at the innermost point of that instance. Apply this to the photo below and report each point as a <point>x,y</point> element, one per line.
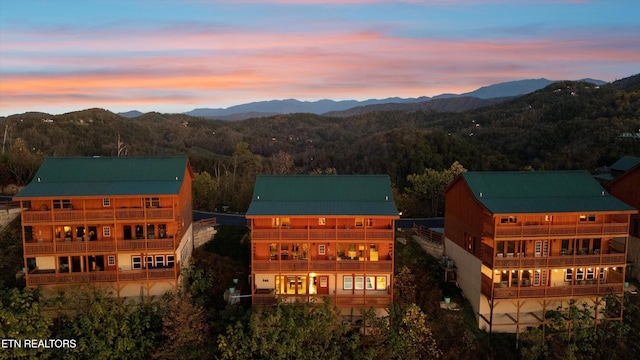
<point>100,176</point>
<point>541,192</point>
<point>322,195</point>
<point>625,163</point>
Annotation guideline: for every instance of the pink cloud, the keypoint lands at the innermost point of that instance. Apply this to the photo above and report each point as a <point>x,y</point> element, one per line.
<point>219,68</point>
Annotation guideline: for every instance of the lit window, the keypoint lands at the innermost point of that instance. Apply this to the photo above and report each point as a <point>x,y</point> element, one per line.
<point>359,222</point>
<point>381,282</point>
<point>369,222</point>
<point>568,275</point>
<point>589,218</point>
<point>322,221</point>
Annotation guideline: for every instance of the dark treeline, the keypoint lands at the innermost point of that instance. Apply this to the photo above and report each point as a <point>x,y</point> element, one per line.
<point>568,125</point>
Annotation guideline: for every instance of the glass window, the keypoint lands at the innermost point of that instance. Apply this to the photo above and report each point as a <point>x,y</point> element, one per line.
<point>170,261</point>
<point>359,222</point>
<point>322,249</point>
<point>381,282</point>
<point>106,202</point>
<point>568,275</point>
<point>359,283</point>
<point>151,202</point>
<point>149,262</point>
<point>136,262</point>
<point>371,282</point>
<point>111,260</point>
<point>322,221</point>
<point>159,260</point>
<point>62,204</point>
<point>106,231</point>
<point>348,282</point>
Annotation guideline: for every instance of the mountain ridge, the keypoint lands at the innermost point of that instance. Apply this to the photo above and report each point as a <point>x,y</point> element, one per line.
<point>498,92</point>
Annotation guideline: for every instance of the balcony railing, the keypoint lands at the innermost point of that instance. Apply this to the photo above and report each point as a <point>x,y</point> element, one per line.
<point>66,247</point>
<point>60,215</point>
<point>322,234</point>
<point>322,265</point>
<point>38,248</point>
<point>156,244</point>
<point>504,231</point>
<point>559,261</point>
<point>586,287</point>
<point>342,300</point>
<point>100,276</point>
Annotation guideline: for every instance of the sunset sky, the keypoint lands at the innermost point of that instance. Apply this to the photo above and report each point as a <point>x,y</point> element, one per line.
<point>174,56</point>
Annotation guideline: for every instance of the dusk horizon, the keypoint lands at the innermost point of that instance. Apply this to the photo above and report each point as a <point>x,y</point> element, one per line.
<point>173,57</point>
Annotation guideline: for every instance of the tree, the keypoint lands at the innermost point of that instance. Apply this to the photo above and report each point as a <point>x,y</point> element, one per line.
<point>429,186</point>
<point>105,327</point>
<point>22,317</point>
<point>403,335</point>
<point>184,328</point>
<point>572,334</point>
<point>281,163</point>
<point>291,331</point>
<point>204,192</point>
<point>22,162</point>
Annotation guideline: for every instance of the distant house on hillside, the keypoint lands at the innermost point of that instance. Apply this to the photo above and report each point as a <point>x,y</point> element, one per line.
<point>527,242</point>
<point>323,236</point>
<point>124,223</point>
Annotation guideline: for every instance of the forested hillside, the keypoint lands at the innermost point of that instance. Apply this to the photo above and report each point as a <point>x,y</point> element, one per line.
<point>567,125</point>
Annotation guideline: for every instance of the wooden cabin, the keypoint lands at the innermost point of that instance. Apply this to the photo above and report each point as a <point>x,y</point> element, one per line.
<point>527,242</point>
<point>626,187</point>
<point>323,236</point>
<point>123,222</point>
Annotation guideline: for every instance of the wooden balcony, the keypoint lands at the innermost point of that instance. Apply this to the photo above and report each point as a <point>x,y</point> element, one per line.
<point>526,231</point>
<point>584,287</point>
<point>68,247</point>
<point>559,261</point>
<point>65,215</point>
<point>155,244</point>
<point>48,278</point>
<point>363,301</point>
<point>321,234</point>
<point>322,265</point>
<point>269,298</point>
<point>38,248</point>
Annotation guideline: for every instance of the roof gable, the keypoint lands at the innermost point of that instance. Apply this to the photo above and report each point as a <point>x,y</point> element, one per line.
<point>540,192</point>
<point>322,195</point>
<point>93,176</point>
<point>625,163</point>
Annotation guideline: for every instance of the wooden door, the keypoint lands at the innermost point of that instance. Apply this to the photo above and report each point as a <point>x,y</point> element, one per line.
<point>323,285</point>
